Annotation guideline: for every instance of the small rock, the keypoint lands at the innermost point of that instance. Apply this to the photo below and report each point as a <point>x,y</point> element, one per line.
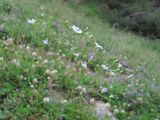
<point>124,63</point>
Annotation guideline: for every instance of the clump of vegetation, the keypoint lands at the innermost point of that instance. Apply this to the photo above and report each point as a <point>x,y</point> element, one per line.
<point>140,16</point>
<point>51,68</point>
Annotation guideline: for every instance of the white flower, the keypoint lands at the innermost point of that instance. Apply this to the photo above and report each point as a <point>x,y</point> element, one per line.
<point>112,73</point>
<point>104,90</point>
<point>116,111</point>
<point>76,29</point>
<point>9,42</point>
<point>32,86</point>
<point>120,65</point>
<point>54,72</point>
<point>76,54</point>
<point>130,76</point>
<point>32,21</point>
<point>21,77</point>
<point>122,111</point>
<point>27,47</point>
<point>67,21</point>
<point>35,81</point>
<point>90,36</point>
<point>45,61</point>
<point>42,15</point>
<point>104,67</point>
<point>1,58</point>
<point>46,99</point>
<point>34,53</point>
<point>45,41</point>
<point>111,96</point>
<point>84,64</point>
<point>16,62</point>
<point>64,101</point>
<point>81,89</point>
<point>63,55</point>
<point>98,46</point>
<point>50,73</point>
<point>107,105</point>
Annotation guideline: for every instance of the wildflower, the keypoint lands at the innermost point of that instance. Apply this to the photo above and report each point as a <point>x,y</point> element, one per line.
<point>27,47</point>
<point>32,86</point>
<point>8,42</point>
<point>37,62</point>
<point>42,15</point>
<point>140,76</point>
<point>21,77</point>
<point>81,89</point>
<point>16,62</point>
<point>98,46</point>
<point>76,29</point>
<point>107,105</point>
<point>116,111</point>
<point>46,99</point>
<point>34,53</point>
<point>35,81</point>
<point>50,53</point>
<point>104,67</point>
<point>66,21</point>
<point>1,58</point>
<point>91,36</point>
<point>39,58</point>
<point>91,56</point>
<point>45,42</point>
<point>120,65</point>
<point>76,54</point>
<point>139,100</point>
<point>130,76</point>
<point>111,96</point>
<point>122,111</point>
<point>84,64</point>
<point>32,21</point>
<point>64,101</point>
<point>104,90</point>
<point>112,73</point>
<point>45,61</point>
<point>50,73</point>
<point>54,71</point>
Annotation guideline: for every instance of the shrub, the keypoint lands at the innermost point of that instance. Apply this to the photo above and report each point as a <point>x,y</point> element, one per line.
<point>140,16</point>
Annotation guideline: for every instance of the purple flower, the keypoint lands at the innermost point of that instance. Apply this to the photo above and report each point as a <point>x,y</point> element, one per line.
<point>140,76</point>
<point>1,28</point>
<point>104,90</point>
<point>45,41</point>
<point>91,56</point>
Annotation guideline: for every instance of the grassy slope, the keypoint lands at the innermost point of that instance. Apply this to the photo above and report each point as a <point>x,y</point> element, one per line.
<point>20,101</point>
<point>138,49</point>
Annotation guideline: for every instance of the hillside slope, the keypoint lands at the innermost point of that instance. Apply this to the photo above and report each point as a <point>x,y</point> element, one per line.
<point>61,62</point>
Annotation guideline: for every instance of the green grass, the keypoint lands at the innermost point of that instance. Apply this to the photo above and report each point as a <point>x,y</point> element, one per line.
<point>25,58</point>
